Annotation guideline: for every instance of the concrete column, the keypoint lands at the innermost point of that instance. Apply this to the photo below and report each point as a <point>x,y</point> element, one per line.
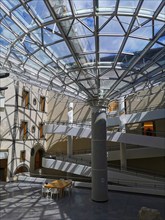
<point>69,146</point>
<point>123,156</point>
<point>99,157</point>
<point>70,138</point>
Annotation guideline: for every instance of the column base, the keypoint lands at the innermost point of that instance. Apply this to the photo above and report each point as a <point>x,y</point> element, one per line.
<point>100,201</point>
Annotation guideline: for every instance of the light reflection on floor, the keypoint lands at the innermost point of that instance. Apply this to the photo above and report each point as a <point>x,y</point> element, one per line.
<point>26,202</point>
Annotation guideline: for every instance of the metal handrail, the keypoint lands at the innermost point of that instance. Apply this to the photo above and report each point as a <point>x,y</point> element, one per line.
<point>152,108</point>
<point>67,123</point>
<point>82,124</point>
<point>139,183</point>
<point>117,169</point>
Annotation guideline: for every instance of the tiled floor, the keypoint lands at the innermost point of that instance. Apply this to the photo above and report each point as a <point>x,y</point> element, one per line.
<point>26,202</point>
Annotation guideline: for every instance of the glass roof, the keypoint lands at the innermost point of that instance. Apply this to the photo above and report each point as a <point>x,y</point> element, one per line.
<point>89,49</point>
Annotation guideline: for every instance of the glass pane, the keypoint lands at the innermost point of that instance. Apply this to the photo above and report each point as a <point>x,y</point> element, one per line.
<point>144,31</point>
<point>121,85</point>
<point>3,50</point>
<point>40,55</point>
<point>162,14</point>
<point>156,45</point>
<point>134,45</point>
<point>4,32</point>
<point>61,8</point>
<point>32,64</point>
<point>10,24</point>
<point>109,75</point>
<point>40,10</point>
<point>157,26</point>
<point>110,43</point>
<point>53,29</point>
<point>107,57</point>
<point>107,4</point>
<point>46,73</point>
<point>128,3</point>
<point>113,27</point>
<point>119,72</point>
<point>59,50</point>
<point>151,5</point>
<point>19,55</point>
<point>78,29</point>
<point>3,42</point>
<point>50,37</point>
<point>125,58</point>
<point>89,21</point>
<point>37,34</point>
<point>162,40</point>
<point>2,13</point>
<point>125,21</point>
<point>80,5</point>
<point>83,45</point>
<point>10,3</point>
<point>24,17</point>
<point>30,45</point>
<point>66,25</point>
<point>106,84</point>
<point>87,58</point>
<point>69,61</point>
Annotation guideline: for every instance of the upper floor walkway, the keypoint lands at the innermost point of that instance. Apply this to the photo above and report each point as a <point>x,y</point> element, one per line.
<point>83,130</point>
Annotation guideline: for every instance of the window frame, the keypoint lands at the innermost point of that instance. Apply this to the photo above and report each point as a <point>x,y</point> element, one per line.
<point>42,103</point>
<point>22,155</point>
<point>40,130</point>
<point>24,130</point>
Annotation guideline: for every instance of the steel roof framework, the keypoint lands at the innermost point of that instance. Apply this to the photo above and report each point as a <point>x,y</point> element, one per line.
<point>91,53</point>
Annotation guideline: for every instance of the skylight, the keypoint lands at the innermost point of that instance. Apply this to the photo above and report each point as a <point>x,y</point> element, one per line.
<point>80,40</point>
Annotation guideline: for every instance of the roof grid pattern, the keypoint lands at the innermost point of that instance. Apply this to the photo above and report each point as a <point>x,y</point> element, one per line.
<point>86,49</point>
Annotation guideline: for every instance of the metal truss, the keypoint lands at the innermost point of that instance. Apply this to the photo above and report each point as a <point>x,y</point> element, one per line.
<point>84,49</point>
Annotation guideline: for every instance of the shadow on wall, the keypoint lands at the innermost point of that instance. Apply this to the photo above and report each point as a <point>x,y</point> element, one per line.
<point>80,145</point>
<point>58,109</point>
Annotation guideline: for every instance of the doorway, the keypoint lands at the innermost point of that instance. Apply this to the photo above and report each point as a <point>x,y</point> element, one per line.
<point>38,159</point>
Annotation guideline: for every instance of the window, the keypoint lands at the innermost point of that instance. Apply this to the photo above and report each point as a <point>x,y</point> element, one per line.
<point>34,101</point>
<point>33,129</point>
<point>41,134</point>
<point>24,130</point>
<point>25,99</point>
<point>148,128</point>
<point>22,156</point>
<point>42,104</point>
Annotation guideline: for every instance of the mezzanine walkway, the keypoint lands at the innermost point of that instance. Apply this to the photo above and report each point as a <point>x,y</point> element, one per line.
<point>126,180</point>
<point>84,131</point>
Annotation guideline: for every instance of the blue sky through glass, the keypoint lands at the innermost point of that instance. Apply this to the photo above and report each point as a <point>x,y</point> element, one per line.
<point>40,10</point>
<point>135,45</point>
<point>24,17</point>
<point>30,45</point>
<point>10,3</point>
<point>113,27</point>
<point>10,24</point>
<point>110,44</point>
<point>35,35</point>
<point>6,33</point>
<point>59,49</point>
<point>81,4</point>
